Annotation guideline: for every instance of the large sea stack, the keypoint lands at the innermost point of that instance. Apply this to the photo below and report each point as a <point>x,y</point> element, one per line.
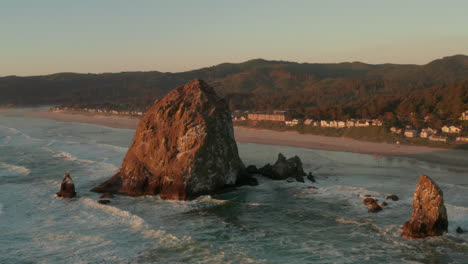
<point>429,216</point>
<point>183,147</point>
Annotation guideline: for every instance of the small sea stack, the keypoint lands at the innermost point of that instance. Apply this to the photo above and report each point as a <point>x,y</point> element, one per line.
<point>183,147</point>
<point>284,169</point>
<point>67,188</point>
<point>429,217</point>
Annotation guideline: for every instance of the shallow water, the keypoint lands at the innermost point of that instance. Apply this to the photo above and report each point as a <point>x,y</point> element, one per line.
<point>275,222</point>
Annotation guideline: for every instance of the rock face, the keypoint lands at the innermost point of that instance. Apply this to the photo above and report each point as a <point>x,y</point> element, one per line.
<point>67,188</point>
<point>284,168</point>
<point>429,216</point>
<point>183,147</point>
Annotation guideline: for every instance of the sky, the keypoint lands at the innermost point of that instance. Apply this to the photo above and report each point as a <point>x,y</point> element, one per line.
<point>95,36</point>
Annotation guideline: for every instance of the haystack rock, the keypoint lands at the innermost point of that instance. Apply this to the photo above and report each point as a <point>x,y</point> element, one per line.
<point>67,188</point>
<point>183,147</point>
<point>429,216</point>
<point>284,169</point>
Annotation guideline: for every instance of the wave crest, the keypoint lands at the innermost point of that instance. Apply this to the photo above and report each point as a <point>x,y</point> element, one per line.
<point>14,168</point>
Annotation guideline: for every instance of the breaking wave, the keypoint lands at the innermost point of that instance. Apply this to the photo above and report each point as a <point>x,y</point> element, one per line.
<point>13,168</point>
<point>67,156</point>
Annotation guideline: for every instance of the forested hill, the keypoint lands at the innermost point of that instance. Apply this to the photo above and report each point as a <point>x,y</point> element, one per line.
<point>262,85</point>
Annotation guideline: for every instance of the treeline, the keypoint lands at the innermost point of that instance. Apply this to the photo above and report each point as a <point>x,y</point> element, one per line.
<point>322,91</point>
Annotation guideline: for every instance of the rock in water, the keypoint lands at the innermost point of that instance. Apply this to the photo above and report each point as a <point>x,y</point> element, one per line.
<point>460,230</point>
<point>67,188</point>
<point>429,216</point>
<point>284,169</point>
<point>183,147</point>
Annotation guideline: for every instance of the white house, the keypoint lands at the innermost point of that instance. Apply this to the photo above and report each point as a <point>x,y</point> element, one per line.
<point>426,132</point>
<point>411,133</point>
<point>464,115</point>
<point>451,129</point>
<point>438,138</point>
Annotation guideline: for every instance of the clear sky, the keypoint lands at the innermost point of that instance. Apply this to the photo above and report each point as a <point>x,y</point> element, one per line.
<point>48,36</point>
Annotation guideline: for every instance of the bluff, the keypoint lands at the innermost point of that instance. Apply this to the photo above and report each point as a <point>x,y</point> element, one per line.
<point>183,147</point>
<point>429,217</point>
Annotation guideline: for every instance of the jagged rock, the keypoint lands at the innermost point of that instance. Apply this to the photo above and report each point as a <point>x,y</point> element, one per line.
<point>183,147</point>
<point>383,203</point>
<point>374,208</point>
<point>104,201</point>
<point>393,197</point>
<point>107,195</point>
<point>368,201</point>
<point>252,169</point>
<point>67,188</point>
<point>460,230</point>
<point>372,203</point>
<point>429,217</point>
<point>310,177</point>
<point>284,168</point>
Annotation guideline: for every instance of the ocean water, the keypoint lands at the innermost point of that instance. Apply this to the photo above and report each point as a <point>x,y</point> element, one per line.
<point>275,222</point>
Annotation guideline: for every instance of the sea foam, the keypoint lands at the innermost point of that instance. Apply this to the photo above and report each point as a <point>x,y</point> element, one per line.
<point>13,168</point>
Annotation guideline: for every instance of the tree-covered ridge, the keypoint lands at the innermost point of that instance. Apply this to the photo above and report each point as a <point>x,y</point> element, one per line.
<point>335,90</point>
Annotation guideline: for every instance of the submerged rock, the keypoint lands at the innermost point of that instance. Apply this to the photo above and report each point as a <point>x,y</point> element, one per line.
<point>67,188</point>
<point>383,203</point>
<point>104,201</point>
<point>107,195</point>
<point>312,187</point>
<point>460,230</point>
<point>372,203</point>
<point>183,147</point>
<point>429,217</point>
<point>393,197</point>
<point>284,169</point>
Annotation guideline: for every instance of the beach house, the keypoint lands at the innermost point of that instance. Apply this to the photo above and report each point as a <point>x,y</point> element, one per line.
<point>426,132</point>
<point>439,138</point>
<point>451,129</point>
<point>462,139</point>
<point>464,115</point>
<point>277,115</point>
<point>411,133</point>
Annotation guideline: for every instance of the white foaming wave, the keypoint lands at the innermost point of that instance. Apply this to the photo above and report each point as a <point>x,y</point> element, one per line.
<point>14,131</point>
<point>7,140</point>
<point>138,224</point>
<point>13,168</point>
<point>67,156</point>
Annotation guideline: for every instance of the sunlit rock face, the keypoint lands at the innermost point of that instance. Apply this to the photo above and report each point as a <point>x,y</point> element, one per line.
<point>183,147</point>
<point>67,188</point>
<point>429,216</point>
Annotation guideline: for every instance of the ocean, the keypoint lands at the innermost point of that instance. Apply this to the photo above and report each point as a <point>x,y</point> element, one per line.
<point>274,222</point>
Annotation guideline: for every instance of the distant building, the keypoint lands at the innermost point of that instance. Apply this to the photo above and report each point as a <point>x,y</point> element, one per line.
<point>293,122</point>
<point>451,129</point>
<point>426,132</point>
<point>341,124</point>
<point>350,123</point>
<point>277,115</point>
<point>377,122</point>
<point>462,139</point>
<point>438,138</point>
<point>464,115</point>
<point>362,123</point>
<point>411,133</point>
<point>333,123</point>
<point>308,122</point>
<point>324,123</point>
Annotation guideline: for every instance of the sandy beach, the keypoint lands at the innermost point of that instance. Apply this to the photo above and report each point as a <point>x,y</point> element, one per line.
<point>457,158</point>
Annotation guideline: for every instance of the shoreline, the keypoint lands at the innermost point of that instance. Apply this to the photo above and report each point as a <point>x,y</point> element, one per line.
<point>291,138</point>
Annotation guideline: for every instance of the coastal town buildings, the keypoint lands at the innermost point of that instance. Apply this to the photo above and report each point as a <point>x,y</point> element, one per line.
<point>451,129</point>
<point>462,139</point>
<point>293,122</point>
<point>411,133</point>
<point>426,132</point>
<point>439,138</point>
<point>464,116</point>
<point>277,115</point>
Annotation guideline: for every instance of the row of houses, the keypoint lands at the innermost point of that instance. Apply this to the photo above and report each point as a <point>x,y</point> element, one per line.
<point>431,134</point>
<point>343,124</point>
<point>98,111</point>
